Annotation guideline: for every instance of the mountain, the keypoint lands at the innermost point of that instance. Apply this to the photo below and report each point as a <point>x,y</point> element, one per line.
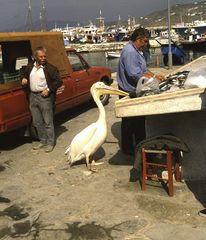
<point>179,13</point>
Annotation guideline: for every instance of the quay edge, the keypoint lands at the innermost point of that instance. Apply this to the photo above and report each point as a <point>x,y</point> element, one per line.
<point>112,46</point>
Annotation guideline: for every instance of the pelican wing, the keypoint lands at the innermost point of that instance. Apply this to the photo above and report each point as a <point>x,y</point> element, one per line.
<point>96,140</point>
<point>79,141</point>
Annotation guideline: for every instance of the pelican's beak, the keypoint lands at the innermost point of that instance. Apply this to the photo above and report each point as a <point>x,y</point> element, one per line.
<point>110,90</point>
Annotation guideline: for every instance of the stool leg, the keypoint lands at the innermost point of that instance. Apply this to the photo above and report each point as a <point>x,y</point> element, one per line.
<point>177,172</point>
<point>177,157</point>
<point>170,178</point>
<point>144,169</point>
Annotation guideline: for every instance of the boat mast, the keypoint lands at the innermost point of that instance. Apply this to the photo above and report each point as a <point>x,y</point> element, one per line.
<point>101,21</point>
<point>42,17</point>
<point>29,23</point>
<point>119,22</point>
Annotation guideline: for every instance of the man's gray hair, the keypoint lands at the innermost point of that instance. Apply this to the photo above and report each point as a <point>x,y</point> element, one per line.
<point>40,48</point>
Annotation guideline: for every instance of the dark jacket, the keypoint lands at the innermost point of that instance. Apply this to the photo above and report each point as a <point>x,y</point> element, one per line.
<point>51,74</point>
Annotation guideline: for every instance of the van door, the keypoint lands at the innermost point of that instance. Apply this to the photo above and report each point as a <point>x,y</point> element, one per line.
<point>65,98</point>
<point>14,107</point>
<point>83,78</point>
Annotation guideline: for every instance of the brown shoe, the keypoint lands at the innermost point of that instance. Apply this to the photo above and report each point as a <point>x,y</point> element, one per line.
<point>49,148</point>
<point>39,146</point>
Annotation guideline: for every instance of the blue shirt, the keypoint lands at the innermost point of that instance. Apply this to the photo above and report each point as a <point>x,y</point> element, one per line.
<point>131,67</point>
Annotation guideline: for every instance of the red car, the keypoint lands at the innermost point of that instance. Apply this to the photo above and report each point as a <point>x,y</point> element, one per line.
<point>15,52</point>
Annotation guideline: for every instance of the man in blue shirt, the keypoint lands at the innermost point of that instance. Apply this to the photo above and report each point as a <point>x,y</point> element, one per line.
<point>132,66</point>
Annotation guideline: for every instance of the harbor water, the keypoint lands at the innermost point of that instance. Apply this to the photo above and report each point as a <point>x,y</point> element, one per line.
<point>155,59</point>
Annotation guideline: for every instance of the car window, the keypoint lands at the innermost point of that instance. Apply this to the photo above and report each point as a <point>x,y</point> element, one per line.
<point>75,61</point>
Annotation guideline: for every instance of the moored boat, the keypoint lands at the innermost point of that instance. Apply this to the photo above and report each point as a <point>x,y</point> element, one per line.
<point>198,25</point>
<point>194,41</point>
<point>112,54</point>
<point>199,44</point>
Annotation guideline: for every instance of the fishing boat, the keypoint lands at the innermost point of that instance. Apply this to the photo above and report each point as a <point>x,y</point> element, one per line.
<point>112,54</point>
<point>194,41</point>
<point>198,25</point>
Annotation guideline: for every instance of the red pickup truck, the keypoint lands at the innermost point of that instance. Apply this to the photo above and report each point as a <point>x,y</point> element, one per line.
<point>15,52</point>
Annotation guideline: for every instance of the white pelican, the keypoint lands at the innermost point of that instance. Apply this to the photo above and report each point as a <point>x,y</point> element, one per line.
<point>86,143</point>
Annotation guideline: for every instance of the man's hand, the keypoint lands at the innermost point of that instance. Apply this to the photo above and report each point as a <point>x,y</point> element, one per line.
<point>24,81</point>
<point>148,75</point>
<point>45,92</point>
<point>160,77</point>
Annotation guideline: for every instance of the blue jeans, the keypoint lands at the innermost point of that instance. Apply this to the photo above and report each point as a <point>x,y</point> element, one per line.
<point>42,115</point>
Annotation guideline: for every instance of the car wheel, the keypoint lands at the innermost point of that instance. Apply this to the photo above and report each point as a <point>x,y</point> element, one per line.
<point>104,98</point>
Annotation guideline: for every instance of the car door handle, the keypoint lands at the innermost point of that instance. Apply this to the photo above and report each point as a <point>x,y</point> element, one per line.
<point>78,79</point>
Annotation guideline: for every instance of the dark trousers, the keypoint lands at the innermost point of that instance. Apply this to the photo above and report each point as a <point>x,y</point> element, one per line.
<point>42,116</point>
<point>132,132</point>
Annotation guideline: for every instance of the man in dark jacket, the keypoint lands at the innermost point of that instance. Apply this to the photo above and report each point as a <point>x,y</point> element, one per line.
<point>42,79</point>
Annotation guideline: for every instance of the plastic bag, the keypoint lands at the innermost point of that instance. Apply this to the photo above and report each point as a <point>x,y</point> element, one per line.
<point>147,86</point>
<point>196,78</point>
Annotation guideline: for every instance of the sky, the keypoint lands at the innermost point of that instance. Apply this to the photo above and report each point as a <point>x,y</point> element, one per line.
<point>13,13</point>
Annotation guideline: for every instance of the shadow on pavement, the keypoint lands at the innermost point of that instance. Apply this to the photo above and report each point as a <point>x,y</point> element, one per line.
<point>67,115</point>
<point>120,159</point>
<point>71,113</point>
<point>13,140</point>
<point>198,188</point>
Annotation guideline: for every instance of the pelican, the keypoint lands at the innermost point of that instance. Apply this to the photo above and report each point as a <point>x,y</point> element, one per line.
<point>87,142</point>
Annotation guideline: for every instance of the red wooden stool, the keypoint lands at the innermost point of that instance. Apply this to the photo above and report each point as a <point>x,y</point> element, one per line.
<point>147,169</point>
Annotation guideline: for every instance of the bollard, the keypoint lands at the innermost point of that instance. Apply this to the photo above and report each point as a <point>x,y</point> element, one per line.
<point>157,60</point>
